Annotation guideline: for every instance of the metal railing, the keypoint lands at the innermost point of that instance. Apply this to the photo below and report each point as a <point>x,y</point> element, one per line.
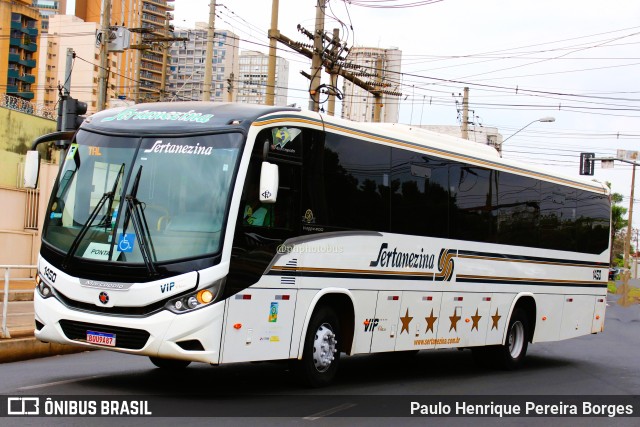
<point>5,302</point>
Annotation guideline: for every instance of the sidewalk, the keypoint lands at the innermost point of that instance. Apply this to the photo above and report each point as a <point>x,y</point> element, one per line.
<point>20,322</point>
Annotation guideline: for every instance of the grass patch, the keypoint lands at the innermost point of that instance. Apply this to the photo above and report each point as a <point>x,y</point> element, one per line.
<point>611,287</point>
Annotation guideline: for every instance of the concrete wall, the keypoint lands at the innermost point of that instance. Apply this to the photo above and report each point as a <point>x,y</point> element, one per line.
<point>20,245</point>
<point>17,132</point>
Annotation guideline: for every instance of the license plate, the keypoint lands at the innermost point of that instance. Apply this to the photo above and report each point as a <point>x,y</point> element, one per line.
<point>101,338</point>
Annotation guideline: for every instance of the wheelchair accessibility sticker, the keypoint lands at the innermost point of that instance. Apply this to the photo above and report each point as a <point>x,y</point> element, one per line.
<point>126,242</point>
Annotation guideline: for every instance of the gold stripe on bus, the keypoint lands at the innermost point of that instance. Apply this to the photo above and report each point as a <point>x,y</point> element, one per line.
<point>353,271</point>
<point>525,279</point>
<point>528,261</point>
<point>438,152</point>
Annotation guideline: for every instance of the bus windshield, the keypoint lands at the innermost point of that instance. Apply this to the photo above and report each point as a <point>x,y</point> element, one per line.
<point>126,199</point>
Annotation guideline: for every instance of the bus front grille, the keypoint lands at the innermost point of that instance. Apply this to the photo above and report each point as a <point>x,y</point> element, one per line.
<point>131,339</point>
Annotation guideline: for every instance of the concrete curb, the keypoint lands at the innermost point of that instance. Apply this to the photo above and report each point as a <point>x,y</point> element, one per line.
<point>14,350</point>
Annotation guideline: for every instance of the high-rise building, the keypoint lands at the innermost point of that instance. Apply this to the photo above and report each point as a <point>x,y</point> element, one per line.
<point>19,38</point>
<point>47,9</point>
<point>186,82</point>
<point>141,71</point>
<point>358,104</point>
<point>68,31</point>
<point>252,79</point>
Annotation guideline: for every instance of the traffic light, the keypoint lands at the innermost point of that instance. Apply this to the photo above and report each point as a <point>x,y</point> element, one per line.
<point>587,163</point>
<point>75,110</point>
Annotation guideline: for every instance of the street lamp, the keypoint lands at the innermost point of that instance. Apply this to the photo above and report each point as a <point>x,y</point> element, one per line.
<point>541,120</point>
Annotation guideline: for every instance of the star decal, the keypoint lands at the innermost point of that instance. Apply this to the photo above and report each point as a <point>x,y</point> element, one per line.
<point>405,322</point>
<point>476,320</point>
<point>430,321</point>
<point>495,318</point>
<point>454,321</point>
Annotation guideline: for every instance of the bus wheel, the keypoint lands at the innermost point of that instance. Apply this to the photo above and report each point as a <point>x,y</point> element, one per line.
<point>321,355</point>
<point>511,355</point>
<point>169,364</point>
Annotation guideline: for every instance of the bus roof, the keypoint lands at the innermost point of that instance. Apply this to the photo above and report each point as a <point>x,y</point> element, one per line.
<point>178,117</point>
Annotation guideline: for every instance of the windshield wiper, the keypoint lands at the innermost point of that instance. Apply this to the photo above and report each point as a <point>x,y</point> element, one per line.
<point>110,195</point>
<point>135,214</point>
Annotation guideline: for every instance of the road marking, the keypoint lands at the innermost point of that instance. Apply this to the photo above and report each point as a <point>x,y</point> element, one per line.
<point>329,411</point>
<point>31,387</point>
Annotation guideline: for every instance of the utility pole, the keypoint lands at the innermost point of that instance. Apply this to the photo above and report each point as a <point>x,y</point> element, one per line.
<point>103,72</point>
<point>165,57</point>
<point>316,59</point>
<point>230,87</point>
<point>627,241</point>
<point>208,66</point>
<point>465,114</point>
<point>271,67</point>
<point>377,96</point>
<point>333,73</point>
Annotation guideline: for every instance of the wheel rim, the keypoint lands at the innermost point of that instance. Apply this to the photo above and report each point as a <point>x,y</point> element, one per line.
<point>324,347</point>
<point>516,339</point>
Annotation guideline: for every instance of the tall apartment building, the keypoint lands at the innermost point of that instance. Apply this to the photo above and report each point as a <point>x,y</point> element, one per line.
<point>186,82</point>
<point>252,78</point>
<point>18,44</point>
<point>47,9</point>
<point>358,104</point>
<point>141,71</point>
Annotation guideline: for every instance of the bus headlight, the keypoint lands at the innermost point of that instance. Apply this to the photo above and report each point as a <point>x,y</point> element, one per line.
<point>43,289</point>
<point>195,300</point>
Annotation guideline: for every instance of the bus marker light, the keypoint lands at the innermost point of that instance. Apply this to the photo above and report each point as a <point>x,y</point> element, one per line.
<point>237,326</point>
<point>283,297</point>
<point>467,320</point>
<point>457,298</point>
<point>598,317</point>
<point>427,298</point>
<point>393,298</point>
<point>544,318</point>
<point>486,299</point>
<point>569,299</point>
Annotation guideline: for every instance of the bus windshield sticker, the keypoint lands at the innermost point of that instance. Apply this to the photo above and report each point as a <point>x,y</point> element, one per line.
<point>181,116</point>
<point>126,242</point>
<point>72,151</point>
<point>167,147</point>
<point>99,251</point>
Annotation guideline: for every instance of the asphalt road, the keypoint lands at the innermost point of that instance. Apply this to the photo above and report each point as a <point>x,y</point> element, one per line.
<point>602,364</point>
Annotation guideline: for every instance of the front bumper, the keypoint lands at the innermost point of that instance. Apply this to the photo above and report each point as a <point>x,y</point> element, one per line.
<point>166,330</point>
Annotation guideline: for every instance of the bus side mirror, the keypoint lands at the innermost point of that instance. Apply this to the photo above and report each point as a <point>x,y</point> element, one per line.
<point>269,182</point>
<point>31,169</point>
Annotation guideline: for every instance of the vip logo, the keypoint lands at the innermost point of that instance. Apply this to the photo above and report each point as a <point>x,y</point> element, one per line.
<point>23,406</point>
<point>370,324</point>
<point>167,287</point>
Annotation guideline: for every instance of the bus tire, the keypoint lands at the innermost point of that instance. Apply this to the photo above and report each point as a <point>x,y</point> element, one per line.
<point>169,364</point>
<point>321,354</point>
<point>511,354</point>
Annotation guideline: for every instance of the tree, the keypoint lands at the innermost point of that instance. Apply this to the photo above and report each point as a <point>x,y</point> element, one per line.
<point>618,226</point>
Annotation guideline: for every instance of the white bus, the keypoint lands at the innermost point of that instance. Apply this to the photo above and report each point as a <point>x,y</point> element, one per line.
<point>224,233</point>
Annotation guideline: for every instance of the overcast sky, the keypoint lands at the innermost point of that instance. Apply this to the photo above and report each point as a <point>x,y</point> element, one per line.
<point>575,60</point>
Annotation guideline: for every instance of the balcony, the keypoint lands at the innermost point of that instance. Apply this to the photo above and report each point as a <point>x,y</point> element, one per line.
<point>14,41</point>
<point>14,57</point>
<point>32,32</point>
<point>31,47</point>
<point>29,63</point>
<point>12,89</point>
<point>13,73</point>
<point>27,78</point>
